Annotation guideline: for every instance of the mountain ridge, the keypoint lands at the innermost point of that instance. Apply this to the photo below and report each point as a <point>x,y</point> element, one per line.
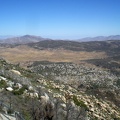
<point>33,39</point>
<point>100,38</point>
<point>23,39</point>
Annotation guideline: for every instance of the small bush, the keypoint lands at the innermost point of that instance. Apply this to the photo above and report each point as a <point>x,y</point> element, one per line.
<point>79,102</point>
<point>20,91</point>
<point>118,82</point>
<point>10,111</point>
<point>3,84</point>
<point>116,118</point>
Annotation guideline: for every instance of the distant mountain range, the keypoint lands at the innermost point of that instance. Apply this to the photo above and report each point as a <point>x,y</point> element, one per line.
<point>100,38</point>
<point>33,39</point>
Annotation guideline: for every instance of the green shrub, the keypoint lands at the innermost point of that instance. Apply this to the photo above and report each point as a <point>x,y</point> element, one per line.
<point>10,111</point>
<point>116,118</point>
<point>79,102</point>
<point>26,114</point>
<point>3,84</point>
<point>20,91</point>
<point>118,82</point>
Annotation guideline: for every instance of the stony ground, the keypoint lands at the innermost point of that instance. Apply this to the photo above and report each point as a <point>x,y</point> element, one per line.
<point>24,83</point>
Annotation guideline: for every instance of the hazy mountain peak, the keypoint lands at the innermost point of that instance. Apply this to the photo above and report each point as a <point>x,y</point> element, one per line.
<point>22,39</point>
<point>30,36</point>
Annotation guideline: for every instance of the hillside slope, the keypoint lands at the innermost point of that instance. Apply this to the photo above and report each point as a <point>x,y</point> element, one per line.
<point>85,104</point>
<point>110,47</point>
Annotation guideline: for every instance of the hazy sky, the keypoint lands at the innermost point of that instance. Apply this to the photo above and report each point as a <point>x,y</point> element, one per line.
<point>64,19</point>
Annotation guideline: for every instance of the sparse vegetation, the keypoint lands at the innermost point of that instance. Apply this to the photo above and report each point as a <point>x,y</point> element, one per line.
<point>3,84</point>
<point>79,103</point>
<point>20,91</point>
<point>94,89</point>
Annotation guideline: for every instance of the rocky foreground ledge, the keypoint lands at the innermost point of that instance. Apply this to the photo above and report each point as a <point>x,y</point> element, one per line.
<point>24,90</point>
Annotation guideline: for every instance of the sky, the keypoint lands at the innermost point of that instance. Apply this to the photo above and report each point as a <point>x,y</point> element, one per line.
<point>60,19</point>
